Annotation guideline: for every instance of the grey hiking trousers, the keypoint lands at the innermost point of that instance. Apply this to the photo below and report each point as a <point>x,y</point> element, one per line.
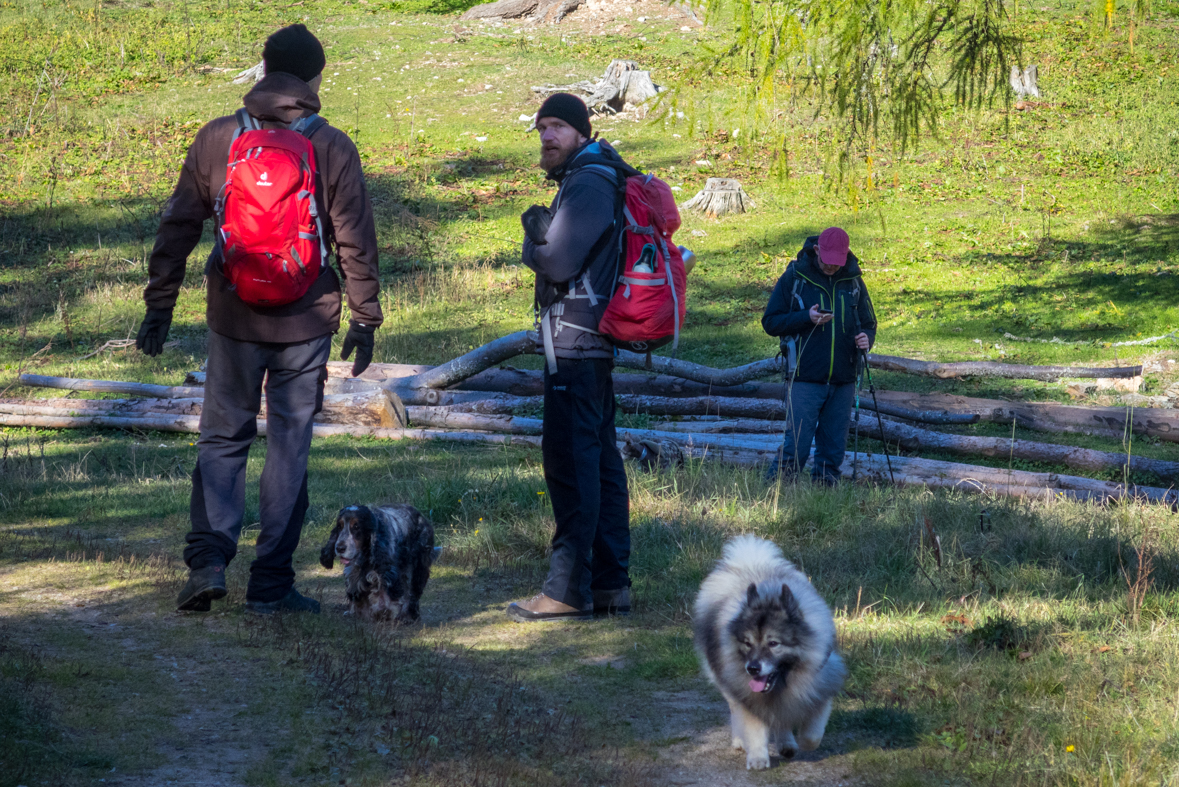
<point>294,376</point>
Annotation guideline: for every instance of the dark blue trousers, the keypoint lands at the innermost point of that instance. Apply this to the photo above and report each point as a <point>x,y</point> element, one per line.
<point>586,482</point>
<point>293,375</point>
<point>819,412</point>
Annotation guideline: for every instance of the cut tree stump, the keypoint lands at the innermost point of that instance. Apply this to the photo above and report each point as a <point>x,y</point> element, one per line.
<point>1024,82</point>
<point>720,197</point>
<point>624,85</point>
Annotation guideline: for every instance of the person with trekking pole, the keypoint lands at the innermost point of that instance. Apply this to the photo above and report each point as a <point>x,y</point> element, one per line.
<point>283,187</point>
<point>821,311</point>
<point>573,247</point>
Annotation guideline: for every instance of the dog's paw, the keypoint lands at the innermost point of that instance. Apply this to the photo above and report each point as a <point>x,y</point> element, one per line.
<point>738,744</point>
<point>809,744</point>
<point>406,619</point>
<point>757,762</point>
<point>788,752</point>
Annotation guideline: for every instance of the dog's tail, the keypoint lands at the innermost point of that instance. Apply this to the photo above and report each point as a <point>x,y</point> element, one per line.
<point>750,553</point>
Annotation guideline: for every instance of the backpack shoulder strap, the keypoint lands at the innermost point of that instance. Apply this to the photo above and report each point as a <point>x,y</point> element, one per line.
<point>308,125</point>
<point>245,122</point>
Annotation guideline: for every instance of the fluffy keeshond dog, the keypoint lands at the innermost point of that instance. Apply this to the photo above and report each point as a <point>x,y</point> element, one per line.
<point>766,639</point>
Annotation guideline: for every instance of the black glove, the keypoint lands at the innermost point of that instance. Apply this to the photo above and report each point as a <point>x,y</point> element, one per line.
<point>536,221</point>
<point>359,336</point>
<point>153,331</point>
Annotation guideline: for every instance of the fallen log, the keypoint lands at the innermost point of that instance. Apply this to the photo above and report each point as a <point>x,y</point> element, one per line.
<point>915,439</point>
<point>908,471</point>
<point>1048,417</point>
<point>475,361</point>
<point>190,424</point>
<point>113,386</point>
<point>944,371</point>
<point>370,409</point>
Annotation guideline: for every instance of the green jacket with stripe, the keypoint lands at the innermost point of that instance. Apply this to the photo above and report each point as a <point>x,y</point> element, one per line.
<point>825,353</point>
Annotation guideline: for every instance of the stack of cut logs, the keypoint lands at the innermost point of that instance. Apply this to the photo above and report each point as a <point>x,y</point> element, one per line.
<point>723,415</point>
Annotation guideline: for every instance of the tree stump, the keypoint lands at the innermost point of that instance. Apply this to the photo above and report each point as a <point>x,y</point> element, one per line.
<point>254,73</point>
<point>720,197</point>
<point>1024,83</point>
<point>623,86</point>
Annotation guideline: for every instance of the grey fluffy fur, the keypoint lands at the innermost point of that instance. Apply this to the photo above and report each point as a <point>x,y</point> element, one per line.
<point>387,552</point>
<point>759,622</point>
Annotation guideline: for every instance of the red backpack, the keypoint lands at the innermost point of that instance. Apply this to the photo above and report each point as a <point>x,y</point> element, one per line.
<point>272,245</point>
<point>648,308</point>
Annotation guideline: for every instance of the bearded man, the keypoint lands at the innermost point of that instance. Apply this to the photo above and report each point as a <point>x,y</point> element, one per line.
<point>572,246</point>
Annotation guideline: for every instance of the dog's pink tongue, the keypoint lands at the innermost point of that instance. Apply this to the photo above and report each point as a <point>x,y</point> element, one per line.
<point>758,684</point>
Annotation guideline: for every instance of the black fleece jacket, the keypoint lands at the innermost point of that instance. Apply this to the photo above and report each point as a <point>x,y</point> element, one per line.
<point>826,353</point>
<point>583,236</point>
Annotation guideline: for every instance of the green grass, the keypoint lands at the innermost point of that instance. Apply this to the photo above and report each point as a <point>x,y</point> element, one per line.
<point>1020,657</point>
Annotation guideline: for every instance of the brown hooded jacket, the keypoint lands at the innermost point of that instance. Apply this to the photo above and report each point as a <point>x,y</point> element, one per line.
<point>342,200</point>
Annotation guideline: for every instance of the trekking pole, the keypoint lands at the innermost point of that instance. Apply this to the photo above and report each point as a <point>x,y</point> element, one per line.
<point>856,443</point>
<point>879,420</point>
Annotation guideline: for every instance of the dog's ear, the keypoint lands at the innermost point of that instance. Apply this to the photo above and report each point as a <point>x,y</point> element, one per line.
<point>751,594</point>
<point>790,603</point>
<point>327,555</point>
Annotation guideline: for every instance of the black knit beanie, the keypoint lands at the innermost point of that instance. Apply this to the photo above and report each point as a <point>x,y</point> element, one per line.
<point>294,50</point>
<point>567,107</point>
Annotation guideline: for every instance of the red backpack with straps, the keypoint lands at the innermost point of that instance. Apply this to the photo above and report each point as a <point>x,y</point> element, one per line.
<point>271,238</point>
<point>648,307</point>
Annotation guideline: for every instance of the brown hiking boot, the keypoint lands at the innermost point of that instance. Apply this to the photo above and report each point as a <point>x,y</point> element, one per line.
<point>541,607</point>
<point>612,602</point>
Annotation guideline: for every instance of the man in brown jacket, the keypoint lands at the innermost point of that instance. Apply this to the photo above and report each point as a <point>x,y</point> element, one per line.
<point>284,348</point>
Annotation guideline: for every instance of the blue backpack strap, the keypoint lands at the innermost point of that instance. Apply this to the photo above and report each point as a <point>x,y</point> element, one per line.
<point>308,125</point>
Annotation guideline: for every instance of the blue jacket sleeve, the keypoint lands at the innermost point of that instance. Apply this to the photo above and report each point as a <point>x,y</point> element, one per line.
<point>585,213</point>
<point>778,320</point>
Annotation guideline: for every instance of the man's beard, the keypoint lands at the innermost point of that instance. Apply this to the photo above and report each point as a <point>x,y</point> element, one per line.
<point>551,159</point>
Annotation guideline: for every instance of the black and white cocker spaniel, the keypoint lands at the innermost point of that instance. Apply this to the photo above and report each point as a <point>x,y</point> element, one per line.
<point>386,552</point>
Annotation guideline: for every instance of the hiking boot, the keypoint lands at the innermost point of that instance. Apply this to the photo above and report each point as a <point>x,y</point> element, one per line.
<point>612,602</point>
<point>541,607</point>
<point>204,586</point>
<point>293,601</point>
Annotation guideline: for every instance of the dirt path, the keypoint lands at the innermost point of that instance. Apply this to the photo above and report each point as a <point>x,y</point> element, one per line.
<point>699,753</point>
<point>211,732</point>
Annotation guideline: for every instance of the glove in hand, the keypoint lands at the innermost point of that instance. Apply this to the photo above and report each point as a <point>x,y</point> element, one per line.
<point>536,221</point>
<point>360,338</point>
<point>153,331</point>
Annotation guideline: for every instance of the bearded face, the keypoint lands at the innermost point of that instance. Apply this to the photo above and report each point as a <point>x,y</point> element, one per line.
<point>558,140</point>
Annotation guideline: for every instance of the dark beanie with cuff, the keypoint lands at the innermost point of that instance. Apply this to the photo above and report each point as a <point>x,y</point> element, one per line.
<point>294,50</point>
<point>567,107</point>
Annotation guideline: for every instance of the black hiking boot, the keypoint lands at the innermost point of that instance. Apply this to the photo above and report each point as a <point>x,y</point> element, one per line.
<point>612,602</point>
<point>294,601</point>
<point>204,586</point>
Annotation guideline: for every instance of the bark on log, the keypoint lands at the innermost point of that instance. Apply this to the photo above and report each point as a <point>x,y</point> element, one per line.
<point>1048,417</point>
<point>191,425</point>
<point>1010,371</point>
<point>370,409</point>
<point>473,362</point>
<point>113,386</point>
<point>915,439</point>
<point>548,10</point>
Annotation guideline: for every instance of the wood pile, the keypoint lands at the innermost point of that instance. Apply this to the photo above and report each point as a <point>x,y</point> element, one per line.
<point>726,415</point>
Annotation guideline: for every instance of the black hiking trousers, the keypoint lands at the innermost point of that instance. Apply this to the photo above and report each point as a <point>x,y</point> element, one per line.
<point>586,483</point>
<point>294,376</point>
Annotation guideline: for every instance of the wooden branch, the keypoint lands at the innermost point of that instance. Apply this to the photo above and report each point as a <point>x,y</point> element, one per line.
<point>112,386</point>
<point>473,362</point>
<point>191,425</point>
<point>377,408</point>
<point>1048,417</point>
<point>1011,371</point>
